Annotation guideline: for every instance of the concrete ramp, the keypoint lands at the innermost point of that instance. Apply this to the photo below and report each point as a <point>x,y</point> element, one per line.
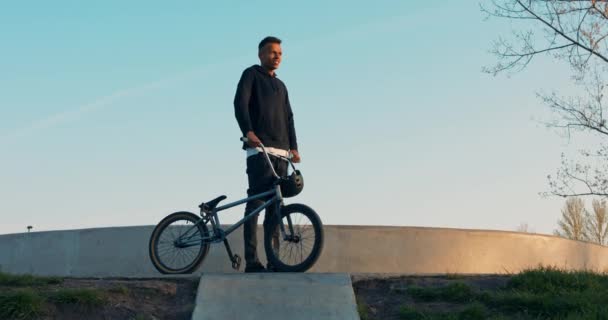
<point>274,296</point>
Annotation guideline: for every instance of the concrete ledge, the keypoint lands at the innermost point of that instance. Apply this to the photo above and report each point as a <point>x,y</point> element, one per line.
<point>274,296</point>
<point>123,252</point>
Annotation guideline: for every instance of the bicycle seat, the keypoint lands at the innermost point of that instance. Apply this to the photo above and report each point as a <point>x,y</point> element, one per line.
<point>210,205</point>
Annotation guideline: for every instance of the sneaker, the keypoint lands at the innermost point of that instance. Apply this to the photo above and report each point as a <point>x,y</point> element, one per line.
<point>255,267</point>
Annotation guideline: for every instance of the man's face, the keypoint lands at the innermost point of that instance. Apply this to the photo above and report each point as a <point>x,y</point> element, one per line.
<point>270,56</point>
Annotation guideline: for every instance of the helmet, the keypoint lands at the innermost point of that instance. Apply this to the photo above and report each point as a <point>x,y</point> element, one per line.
<point>292,185</point>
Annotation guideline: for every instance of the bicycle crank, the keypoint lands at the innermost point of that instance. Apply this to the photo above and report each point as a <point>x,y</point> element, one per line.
<point>236,262</point>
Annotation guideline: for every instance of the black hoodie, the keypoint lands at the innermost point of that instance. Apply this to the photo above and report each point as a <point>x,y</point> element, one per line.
<point>261,105</point>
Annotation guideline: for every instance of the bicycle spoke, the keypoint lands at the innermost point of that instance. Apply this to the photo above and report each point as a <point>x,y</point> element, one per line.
<point>174,257</point>
<point>290,251</point>
<point>306,246</point>
<point>297,244</point>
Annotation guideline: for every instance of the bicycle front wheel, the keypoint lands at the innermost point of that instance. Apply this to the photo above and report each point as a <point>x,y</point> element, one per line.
<point>302,244</point>
<point>176,245</point>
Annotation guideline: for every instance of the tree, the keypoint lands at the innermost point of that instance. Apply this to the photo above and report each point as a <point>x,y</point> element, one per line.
<point>575,32</point>
<point>524,228</point>
<point>572,225</point>
<point>597,224</point>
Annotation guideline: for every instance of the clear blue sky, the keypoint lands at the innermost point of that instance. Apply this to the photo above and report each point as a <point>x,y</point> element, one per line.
<point>118,113</point>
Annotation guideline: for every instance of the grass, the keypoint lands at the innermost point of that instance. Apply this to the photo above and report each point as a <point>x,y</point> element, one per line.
<point>82,297</point>
<point>541,293</point>
<point>553,293</point>
<point>120,289</point>
<point>554,280</point>
<point>22,304</point>
<point>26,280</point>
<point>473,311</point>
<point>454,292</point>
<point>25,303</point>
<point>25,296</point>
<point>363,310</point>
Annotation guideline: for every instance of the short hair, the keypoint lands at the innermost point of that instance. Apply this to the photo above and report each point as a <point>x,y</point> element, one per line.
<point>268,40</point>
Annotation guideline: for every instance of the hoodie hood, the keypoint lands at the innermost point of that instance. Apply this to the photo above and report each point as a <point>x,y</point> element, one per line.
<point>261,69</point>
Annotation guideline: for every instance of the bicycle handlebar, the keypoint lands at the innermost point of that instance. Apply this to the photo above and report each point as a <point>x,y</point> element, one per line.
<point>288,159</point>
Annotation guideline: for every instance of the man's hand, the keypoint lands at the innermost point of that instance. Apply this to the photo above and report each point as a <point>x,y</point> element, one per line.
<point>296,156</point>
<point>253,140</point>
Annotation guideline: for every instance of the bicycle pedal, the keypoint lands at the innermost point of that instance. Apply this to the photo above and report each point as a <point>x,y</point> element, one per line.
<point>236,262</point>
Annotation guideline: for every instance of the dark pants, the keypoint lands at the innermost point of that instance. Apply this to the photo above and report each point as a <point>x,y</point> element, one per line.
<point>260,180</point>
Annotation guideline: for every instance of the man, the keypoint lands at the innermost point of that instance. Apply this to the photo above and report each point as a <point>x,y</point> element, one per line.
<point>264,115</point>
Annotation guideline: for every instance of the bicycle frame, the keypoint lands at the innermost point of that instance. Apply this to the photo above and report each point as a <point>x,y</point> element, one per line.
<point>281,235</point>
<point>219,235</point>
<point>276,200</point>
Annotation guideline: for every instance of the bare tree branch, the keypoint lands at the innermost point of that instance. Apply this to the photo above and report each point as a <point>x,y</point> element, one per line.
<point>575,32</point>
<point>564,35</point>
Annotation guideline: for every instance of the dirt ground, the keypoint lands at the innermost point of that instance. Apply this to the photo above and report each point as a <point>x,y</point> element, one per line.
<point>141,299</point>
<point>382,297</point>
<point>144,299</point>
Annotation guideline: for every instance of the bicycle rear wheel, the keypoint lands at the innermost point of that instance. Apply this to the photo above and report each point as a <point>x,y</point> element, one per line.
<point>176,244</point>
<point>302,244</point>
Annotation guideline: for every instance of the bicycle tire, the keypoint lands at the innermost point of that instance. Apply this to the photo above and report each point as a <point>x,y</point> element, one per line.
<point>278,259</point>
<point>161,228</point>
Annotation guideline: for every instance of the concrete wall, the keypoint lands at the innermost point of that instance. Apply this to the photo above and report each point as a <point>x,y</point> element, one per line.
<point>123,252</point>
